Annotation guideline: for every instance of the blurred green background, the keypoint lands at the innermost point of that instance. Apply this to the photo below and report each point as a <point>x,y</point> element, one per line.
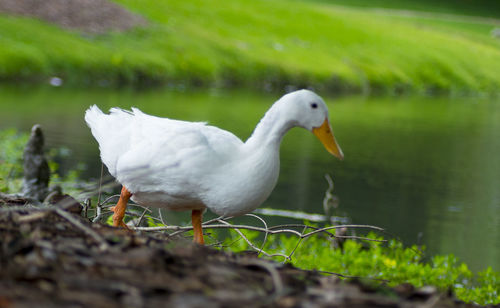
<point>268,45</point>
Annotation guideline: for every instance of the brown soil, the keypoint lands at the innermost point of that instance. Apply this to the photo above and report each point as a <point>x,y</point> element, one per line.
<point>52,258</point>
<point>90,16</point>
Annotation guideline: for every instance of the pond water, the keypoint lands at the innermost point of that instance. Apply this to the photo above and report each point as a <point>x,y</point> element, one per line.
<point>425,169</point>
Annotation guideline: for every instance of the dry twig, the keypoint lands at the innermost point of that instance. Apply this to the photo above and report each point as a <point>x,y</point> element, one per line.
<point>277,281</point>
<point>285,257</point>
<point>280,229</point>
<point>270,230</point>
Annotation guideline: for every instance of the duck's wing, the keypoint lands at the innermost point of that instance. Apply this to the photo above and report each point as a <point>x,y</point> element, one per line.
<point>169,155</point>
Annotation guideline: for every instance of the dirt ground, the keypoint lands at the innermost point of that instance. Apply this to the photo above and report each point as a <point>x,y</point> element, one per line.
<point>89,16</point>
<point>50,257</point>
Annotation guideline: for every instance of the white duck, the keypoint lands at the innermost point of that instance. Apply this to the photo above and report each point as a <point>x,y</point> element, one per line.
<point>182,165</point>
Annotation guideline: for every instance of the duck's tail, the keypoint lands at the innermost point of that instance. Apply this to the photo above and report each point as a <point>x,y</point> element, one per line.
<point>112,132</point>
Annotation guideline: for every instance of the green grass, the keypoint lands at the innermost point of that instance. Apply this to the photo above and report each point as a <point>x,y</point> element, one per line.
<point>374,262</point>
<point>258,44</point>
<point>486,8</point>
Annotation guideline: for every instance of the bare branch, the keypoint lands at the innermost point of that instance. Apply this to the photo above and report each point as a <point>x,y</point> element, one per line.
<point>278,283</point>
<point>100,184</point>
<point>343,226</point>
<point>285,257</point>
<point>140,218</point>
<point>109,198</point>
<point>98,213</point>
<point>33,217</point>
<point>352,277</point>
<point>161,217</point>
<point>298,243</point>
<point>269,230</point>
<point>265,235</point>
<point>87,205</point>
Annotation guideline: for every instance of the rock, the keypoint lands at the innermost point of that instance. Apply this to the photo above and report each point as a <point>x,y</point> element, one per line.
<point>15,200</point>
<point>36,169</point>
<point>64,201</point>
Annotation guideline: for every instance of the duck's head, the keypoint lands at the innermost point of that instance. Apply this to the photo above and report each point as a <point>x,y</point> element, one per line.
<point>310,112</point>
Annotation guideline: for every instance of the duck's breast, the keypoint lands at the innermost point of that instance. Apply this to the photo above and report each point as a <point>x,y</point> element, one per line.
<point>244,184</point>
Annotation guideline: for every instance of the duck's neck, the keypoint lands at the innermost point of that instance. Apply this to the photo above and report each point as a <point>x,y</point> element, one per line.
<point>271,129</point>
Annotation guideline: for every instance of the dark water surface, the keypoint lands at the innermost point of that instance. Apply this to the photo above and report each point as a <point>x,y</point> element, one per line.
<point>425,169</point>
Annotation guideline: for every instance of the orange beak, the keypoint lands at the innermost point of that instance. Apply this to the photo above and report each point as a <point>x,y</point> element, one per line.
<point>325,135</point>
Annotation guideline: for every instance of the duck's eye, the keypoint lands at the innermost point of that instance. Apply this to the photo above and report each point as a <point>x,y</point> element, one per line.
<point>314,105</point>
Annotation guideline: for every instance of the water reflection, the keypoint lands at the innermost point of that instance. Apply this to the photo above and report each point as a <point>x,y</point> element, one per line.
<point>414,166</point>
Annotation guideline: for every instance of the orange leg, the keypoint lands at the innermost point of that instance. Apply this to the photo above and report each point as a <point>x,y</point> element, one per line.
<point>196,218</point>
<point>120,208</point>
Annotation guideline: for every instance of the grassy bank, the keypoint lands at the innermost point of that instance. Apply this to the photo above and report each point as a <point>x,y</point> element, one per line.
<point>486,8</point>
<point>258,44</point>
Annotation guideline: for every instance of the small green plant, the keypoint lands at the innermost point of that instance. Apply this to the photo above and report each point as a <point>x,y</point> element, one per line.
<point>389,261</point>
<point>486,289</point>
<point>11,164</point>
